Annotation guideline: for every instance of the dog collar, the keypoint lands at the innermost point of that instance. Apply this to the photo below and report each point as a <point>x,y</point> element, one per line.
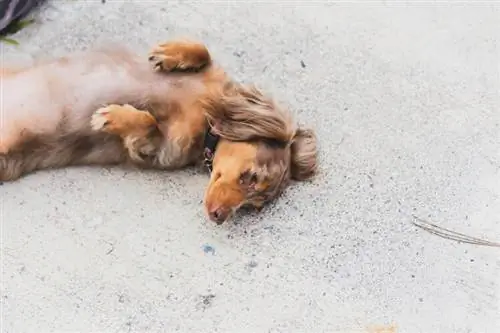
<point>210,144</point>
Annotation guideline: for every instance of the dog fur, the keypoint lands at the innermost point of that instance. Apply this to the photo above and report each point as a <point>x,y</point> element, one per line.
<point>111,106</point>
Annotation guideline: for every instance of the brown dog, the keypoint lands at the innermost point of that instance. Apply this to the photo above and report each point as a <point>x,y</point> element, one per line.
<point>179,108</point>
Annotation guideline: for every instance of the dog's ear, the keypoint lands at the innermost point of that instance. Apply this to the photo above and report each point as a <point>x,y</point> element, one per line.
<point>304,154</point>
<point>243,113</point>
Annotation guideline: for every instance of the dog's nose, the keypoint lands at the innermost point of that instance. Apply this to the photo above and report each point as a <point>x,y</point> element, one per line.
<point>218,215</point>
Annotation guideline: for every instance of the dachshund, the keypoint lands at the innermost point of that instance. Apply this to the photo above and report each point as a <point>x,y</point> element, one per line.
<point>170,109</point>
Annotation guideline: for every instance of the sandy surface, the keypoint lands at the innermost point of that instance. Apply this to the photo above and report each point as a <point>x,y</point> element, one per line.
<point>405,101</point>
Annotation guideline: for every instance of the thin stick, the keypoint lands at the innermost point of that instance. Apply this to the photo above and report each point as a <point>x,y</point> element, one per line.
<point>450,234</point>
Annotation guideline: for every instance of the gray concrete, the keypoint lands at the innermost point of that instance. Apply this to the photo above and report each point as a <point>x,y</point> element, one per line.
<point>405,102</point>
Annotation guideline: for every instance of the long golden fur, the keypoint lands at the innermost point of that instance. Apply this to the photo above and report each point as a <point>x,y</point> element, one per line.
<point>111,106</point>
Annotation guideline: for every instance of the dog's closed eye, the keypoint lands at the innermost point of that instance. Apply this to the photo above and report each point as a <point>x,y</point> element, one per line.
<point>248,178</point>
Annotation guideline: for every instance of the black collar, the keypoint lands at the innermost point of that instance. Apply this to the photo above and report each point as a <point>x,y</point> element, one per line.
<point>209,145</point>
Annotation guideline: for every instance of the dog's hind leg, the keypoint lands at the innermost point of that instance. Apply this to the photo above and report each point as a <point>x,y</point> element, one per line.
<point>180,56</point>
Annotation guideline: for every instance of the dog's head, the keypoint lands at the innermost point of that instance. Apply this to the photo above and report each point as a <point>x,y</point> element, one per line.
<point>260,149</point>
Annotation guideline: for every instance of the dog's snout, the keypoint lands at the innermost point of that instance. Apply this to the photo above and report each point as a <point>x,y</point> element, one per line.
<point>218,214</point>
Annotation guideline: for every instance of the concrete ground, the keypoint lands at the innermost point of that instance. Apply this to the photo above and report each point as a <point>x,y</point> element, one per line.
<point>405,101</point>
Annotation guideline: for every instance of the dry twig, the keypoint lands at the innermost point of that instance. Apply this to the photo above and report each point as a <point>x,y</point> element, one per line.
<point>449,234</point>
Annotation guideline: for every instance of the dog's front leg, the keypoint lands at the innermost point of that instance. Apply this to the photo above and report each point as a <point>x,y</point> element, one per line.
<point>138,129</point>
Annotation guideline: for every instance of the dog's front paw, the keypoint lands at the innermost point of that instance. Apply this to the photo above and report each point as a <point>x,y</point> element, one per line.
<point>106,119</point>
<point>122,120</point>
<point>99,120</point>
<point>180,56</point>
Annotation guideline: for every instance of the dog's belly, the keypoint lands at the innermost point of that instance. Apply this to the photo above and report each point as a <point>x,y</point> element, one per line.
<point>26,106</point>
<point>60,96</point>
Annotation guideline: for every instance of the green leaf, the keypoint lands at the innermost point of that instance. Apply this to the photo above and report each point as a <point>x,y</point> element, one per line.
<point>25,23</point>
<point>9,41</point>
<point>17,26</point>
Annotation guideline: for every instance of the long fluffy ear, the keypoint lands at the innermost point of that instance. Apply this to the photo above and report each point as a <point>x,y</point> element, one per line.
<point>304,154</point>
<point>242,113</point>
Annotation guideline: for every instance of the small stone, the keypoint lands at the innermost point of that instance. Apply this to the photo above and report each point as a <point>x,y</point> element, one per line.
<point>252,264</point>
<point>208,249</point>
